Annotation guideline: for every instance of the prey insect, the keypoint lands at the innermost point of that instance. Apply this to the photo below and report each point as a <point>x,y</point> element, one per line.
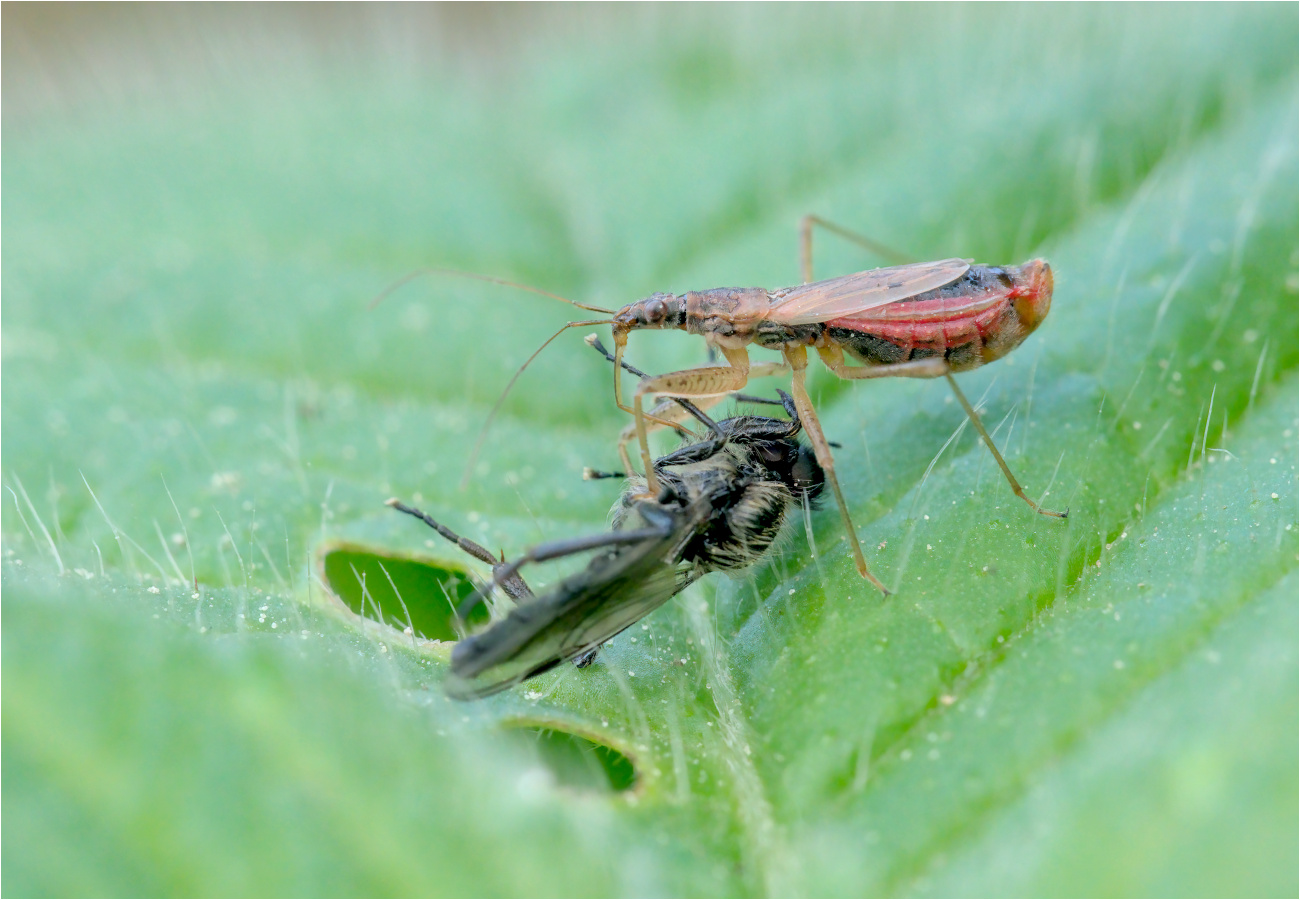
<point>721,503</point>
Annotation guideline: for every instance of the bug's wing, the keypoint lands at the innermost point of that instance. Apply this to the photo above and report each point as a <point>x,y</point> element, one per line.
<point>616,590</point>
<point>849,294</point>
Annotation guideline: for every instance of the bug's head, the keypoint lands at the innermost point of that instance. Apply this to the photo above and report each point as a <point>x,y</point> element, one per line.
<point>1032,295</point>
<point>655,311</point>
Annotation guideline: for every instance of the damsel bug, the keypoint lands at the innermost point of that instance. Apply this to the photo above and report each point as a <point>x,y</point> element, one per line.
<point>720,503</point>
<point>922,320</point>
<point>918,321</point>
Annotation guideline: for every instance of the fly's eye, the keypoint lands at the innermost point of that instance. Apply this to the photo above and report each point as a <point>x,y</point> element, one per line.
<point>655,310</point>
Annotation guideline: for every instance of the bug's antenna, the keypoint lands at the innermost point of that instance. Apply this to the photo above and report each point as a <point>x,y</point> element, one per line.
<point>420,273</point>
<point>482,435</point>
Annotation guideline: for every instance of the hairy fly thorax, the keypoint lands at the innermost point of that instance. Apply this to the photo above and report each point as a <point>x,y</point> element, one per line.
<point>751,488</point>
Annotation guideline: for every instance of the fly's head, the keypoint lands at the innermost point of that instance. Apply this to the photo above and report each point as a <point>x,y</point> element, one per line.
<point>1032,293</point>
<point>793,464</point>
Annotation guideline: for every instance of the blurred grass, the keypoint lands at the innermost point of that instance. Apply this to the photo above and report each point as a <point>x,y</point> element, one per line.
<point>1105,706</point>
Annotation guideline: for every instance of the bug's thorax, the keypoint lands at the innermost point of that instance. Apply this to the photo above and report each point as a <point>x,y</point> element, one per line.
<point>726,317</point>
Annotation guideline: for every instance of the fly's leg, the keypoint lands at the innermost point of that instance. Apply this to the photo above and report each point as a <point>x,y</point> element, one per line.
<point>512,583</point>
<point>797,358</point>
<point>805,244</point>
<point>1002,463</point>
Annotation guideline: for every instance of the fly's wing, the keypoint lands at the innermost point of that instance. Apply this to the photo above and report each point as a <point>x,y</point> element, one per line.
<point>575,618</point>
<point>849,294</point>
<point>585,610</point>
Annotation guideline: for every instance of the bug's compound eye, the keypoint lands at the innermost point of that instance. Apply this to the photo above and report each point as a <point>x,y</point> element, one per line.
<point>655,310</point>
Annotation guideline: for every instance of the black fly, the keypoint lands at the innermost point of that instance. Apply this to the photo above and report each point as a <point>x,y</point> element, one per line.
<point>722,502</point>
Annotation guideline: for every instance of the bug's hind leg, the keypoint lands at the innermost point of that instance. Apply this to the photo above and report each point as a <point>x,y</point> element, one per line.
<point>806,251</point>
<point>798,360</point>
<point>932,367</point>
<point>928,367</point>
<point>1002,463</point>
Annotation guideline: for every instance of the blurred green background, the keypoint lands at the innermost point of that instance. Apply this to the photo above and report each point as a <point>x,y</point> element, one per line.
<point>202,419</point>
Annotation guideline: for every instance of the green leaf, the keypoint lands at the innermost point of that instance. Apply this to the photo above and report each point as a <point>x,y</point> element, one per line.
<point>203,420</point>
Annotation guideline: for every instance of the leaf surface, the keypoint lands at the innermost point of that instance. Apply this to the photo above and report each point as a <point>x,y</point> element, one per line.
<point>201,408</point>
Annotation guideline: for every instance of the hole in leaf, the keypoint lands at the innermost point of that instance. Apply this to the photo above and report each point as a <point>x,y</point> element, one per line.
<point>394,587</point>
<point>577,762</point>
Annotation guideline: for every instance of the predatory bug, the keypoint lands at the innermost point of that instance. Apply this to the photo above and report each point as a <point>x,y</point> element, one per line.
<point>921,320</point>
<point>721,504</point>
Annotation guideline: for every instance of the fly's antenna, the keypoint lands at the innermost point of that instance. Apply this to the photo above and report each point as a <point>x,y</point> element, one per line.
<point>483,432</point>
<point>420,273</point>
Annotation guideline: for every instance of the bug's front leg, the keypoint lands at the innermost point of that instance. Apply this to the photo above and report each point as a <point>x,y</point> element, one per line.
<point>620,344</point>
<point>710,381</point>
<point>797,358</point>
<point>670,410</point>
<point>665,410</point>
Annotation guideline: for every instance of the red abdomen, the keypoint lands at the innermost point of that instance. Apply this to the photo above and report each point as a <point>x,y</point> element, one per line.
<point>982,316</point>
